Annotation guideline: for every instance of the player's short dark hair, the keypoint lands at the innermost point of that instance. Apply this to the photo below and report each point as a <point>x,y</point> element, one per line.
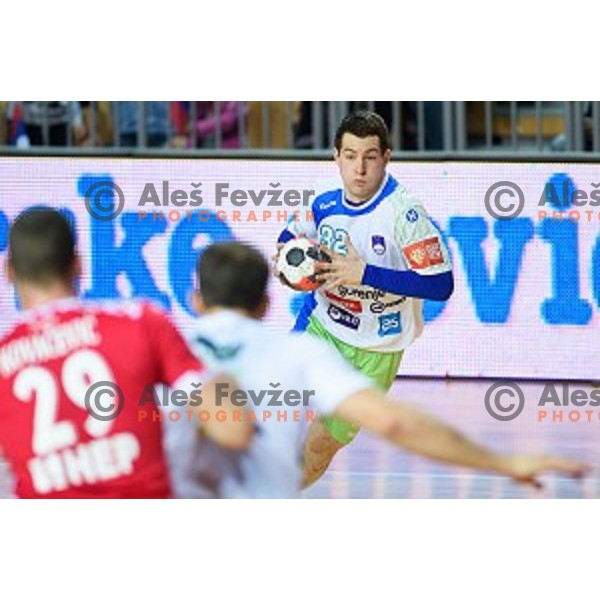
<point>232,275</point>
<point>362,124</point>
<point>41,246</point>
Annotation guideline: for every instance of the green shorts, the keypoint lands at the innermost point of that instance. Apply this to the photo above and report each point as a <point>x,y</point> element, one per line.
<point>381,367</point>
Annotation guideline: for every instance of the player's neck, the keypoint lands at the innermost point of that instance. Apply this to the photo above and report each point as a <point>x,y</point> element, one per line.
<point>32,296</point>
<point>238,311</point>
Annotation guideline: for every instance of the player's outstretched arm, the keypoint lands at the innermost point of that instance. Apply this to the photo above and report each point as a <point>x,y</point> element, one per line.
<point>418,432</point>
<point>226,424</point>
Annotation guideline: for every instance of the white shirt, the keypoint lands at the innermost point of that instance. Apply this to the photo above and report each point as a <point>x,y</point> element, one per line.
<point>260,359</point>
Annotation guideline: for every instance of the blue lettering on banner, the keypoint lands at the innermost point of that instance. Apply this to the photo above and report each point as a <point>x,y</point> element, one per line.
<point>558,191</point>
<point>566,307</point>
<point>109,260</point>
<point>390,324</point>
<point>492,297</point>
<point>116,249</point>
<point>3,232</point>
<point>343,317</point>
<point>596,271</point>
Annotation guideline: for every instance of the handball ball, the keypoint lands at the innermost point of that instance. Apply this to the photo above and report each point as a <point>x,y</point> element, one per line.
<point>296,264</point>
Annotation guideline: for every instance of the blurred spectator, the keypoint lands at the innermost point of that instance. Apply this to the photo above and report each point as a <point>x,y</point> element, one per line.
<point>275,117</point>
<point>433,125</point>
<point>157,123</point>
<point>3,122</point>
<point>206,123</point>
<point>304,137</point>
<point>98,122</point>
<point>303,128</point>
<point>559,143</point>
<point>46,123</point>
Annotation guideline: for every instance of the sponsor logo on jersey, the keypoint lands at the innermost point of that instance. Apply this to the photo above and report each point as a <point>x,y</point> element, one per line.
<point>327,205</point>
<point>412,216</point>
<point>343,317</point>
<point>425,253</point>
<point>390,324</point>
<point>352,305</point>
<point>379,307</point>
<point>378,244</point>
<point>361,294</point>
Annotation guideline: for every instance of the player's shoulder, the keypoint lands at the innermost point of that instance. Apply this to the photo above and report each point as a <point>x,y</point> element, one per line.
<point>259,340</point>
<point>407,209</point>
<point>227,329</point>
<point>127,308</point>
<point>327,193</point>
<point>12,333</point>
<point>38,317</point>
<point>402,199</point>
<point>290,354</point>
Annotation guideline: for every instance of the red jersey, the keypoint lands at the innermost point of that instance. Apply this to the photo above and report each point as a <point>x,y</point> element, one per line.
<point>59,439</point>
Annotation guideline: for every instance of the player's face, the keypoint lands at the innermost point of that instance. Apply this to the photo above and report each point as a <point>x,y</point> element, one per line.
<point>362,165</point>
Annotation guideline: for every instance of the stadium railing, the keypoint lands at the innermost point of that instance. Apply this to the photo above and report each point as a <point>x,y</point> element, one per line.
<point>307,129</point>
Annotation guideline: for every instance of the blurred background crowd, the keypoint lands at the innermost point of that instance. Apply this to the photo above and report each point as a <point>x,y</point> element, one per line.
<point>299,125</point>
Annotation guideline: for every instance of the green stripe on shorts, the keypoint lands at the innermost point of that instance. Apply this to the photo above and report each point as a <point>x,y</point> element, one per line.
<point>381,367</point>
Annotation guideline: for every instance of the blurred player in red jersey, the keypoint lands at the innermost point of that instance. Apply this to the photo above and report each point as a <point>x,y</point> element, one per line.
<point>58,439</point>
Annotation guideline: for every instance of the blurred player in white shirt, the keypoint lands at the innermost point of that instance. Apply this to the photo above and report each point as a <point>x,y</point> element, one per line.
<point>311,377</point>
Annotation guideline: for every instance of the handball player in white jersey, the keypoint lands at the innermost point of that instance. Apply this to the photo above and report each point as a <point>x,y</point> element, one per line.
<point>387,257</point>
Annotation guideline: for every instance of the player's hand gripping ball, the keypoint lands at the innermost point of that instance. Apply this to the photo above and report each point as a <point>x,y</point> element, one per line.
<point>296,264</point>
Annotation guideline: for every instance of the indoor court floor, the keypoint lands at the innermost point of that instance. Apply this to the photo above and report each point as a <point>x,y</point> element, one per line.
<point>372,468</point>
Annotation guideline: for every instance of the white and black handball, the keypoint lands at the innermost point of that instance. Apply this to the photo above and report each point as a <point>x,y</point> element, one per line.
<point>297,261</point>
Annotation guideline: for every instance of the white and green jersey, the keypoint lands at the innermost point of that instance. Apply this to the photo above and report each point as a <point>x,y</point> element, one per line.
<point>393,231</point>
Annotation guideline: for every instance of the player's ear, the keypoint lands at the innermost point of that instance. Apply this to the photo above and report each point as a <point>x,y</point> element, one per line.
<point>10,272</point>
<point>261,310</point>
<point>198,303</point>
<point>76,268</point>
<point>386,156</point>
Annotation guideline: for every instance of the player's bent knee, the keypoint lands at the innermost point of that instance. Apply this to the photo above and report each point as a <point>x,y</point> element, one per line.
<point>341,432</point>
